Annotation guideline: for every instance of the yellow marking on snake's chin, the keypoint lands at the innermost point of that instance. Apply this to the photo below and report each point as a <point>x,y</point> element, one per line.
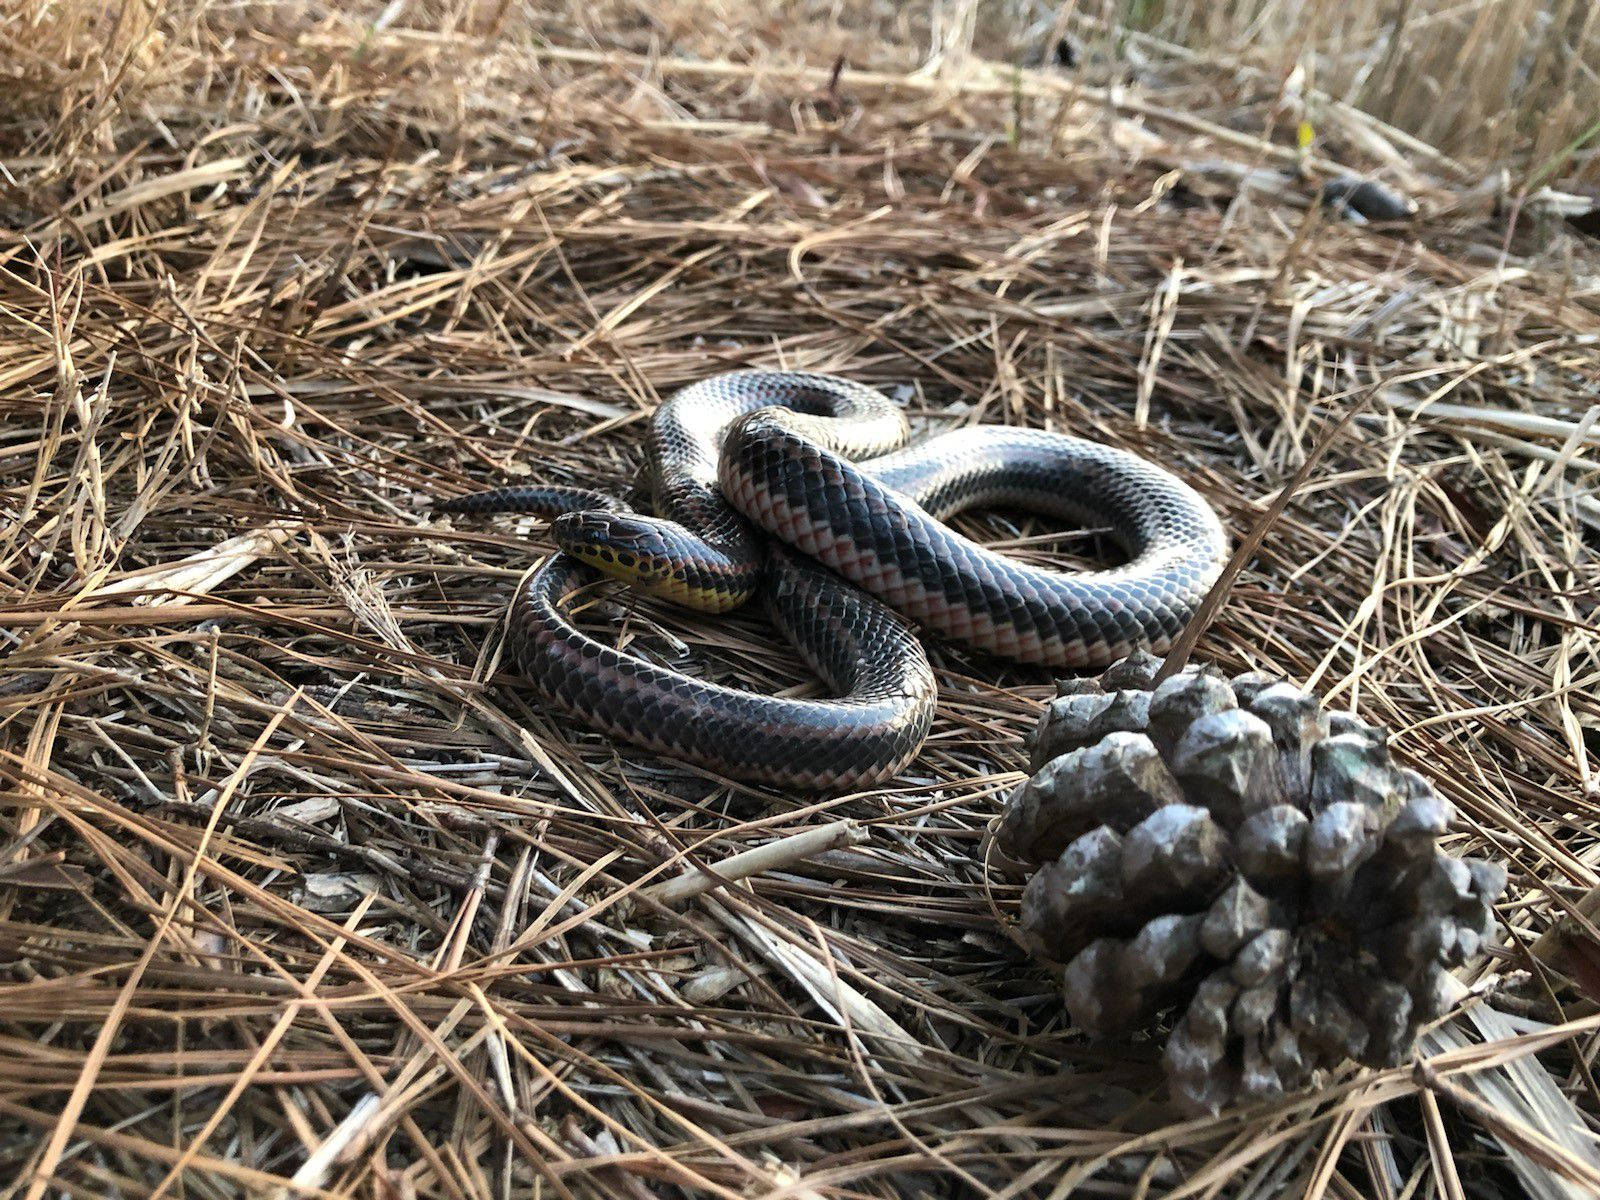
<point>649,575</point>
<point>712,600</point>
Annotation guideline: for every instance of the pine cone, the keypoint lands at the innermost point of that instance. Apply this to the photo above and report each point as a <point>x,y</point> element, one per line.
<point>1229,849</point>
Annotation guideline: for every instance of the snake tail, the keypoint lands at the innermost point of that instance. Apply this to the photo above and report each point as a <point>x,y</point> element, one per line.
<point>539,500</point>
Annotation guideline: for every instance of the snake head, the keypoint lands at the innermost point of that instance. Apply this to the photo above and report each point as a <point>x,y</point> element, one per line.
<point>631,547</point>
<point>656,556</point>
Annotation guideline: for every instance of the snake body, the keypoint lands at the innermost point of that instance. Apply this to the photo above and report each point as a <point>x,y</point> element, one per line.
<point>771,452</point>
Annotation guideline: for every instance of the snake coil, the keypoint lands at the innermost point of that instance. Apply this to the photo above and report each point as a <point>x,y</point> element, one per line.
<point>753,452</point>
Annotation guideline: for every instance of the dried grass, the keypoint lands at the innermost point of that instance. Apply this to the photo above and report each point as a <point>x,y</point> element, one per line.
<point>1489,80</point>
<point>301,895</point>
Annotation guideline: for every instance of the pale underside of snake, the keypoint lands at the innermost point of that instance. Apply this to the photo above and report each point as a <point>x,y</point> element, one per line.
<point>757,491</point>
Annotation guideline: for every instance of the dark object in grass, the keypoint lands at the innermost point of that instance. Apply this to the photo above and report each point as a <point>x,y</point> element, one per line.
<point>1364,200</point>
<point>1587,223</point>
<point>1229,851</point>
